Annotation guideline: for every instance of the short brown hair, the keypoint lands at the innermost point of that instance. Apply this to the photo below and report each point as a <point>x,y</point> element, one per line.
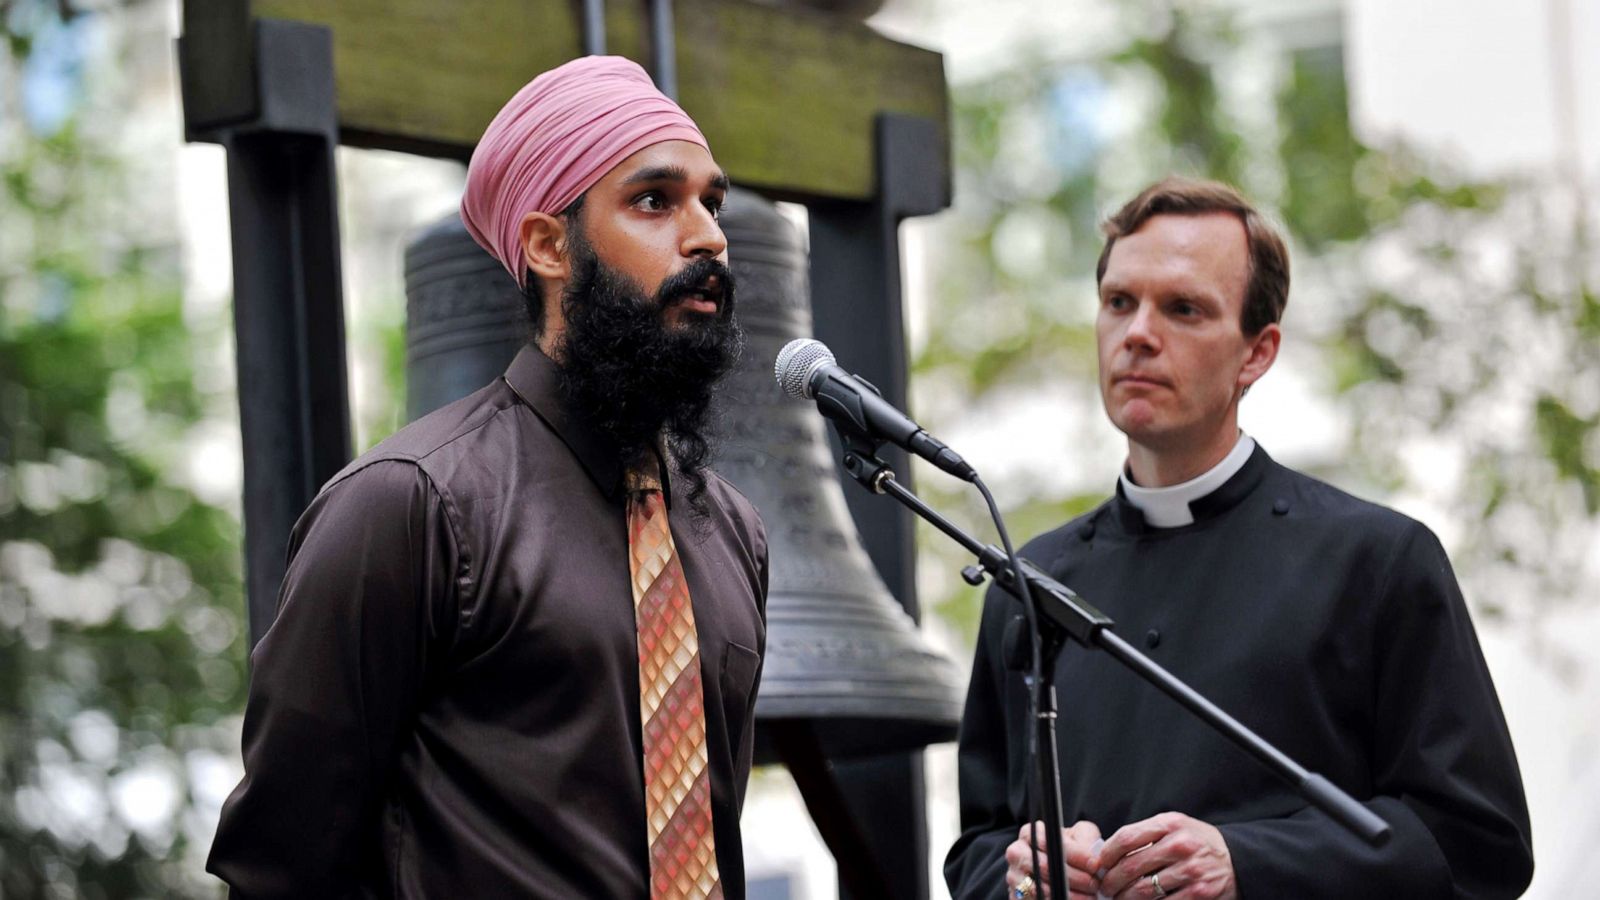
<point>1267,285</point>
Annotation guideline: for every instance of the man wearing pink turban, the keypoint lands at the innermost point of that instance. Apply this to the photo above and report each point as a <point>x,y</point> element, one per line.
<point>518,642</point>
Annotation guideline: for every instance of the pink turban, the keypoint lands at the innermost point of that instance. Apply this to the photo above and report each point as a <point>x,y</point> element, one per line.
<point>555,138</point>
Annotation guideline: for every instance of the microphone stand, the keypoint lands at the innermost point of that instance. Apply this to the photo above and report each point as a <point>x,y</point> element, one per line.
<point>1063,614</point>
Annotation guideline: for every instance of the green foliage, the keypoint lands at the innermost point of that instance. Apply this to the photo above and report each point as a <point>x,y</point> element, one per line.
<point>1588,317</point>
<point>1564,436</point>
<point>1485,366</point>
<point>1190,118</point>
<point>1320,153</point>
<point>384,339</point>
<point>121,640</point>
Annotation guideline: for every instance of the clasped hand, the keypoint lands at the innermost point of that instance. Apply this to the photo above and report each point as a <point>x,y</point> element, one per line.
<point>1167,855</point>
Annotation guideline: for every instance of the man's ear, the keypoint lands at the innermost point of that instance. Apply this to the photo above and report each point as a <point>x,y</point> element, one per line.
<point>1262,353</point>
<point>544,243</point>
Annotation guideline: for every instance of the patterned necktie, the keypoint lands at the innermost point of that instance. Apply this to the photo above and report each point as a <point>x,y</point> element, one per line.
<point>677,778</point>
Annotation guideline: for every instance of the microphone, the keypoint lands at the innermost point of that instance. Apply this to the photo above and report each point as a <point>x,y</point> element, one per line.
<point>806,370</point>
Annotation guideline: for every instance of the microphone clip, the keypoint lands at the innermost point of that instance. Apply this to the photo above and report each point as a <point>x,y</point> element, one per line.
<point>861,458</point>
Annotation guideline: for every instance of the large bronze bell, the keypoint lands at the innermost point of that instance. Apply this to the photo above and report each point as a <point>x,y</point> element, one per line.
<point>464,317</point>
<point>843,658</point>
<point>841,651</point>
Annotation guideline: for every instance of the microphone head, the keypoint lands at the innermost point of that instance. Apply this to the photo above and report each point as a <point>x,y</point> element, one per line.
<point>796,362</point>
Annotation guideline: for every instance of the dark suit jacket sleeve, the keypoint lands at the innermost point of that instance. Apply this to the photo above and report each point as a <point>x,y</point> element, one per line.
<point>1445,775</point>
<point>975,867</point>
<point>334,684</point>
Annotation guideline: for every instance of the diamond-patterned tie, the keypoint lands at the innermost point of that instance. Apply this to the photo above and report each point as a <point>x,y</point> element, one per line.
<point>677,778</point>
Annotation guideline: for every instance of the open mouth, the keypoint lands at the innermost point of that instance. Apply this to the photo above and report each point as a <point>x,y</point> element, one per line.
<point>707,298</point>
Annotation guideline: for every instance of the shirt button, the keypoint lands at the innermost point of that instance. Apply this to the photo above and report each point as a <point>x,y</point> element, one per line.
<point>1152,639</point>
<point>1280,506</point>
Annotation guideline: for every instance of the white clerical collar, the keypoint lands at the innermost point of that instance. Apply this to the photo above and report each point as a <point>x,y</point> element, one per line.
<point>1168,507</point>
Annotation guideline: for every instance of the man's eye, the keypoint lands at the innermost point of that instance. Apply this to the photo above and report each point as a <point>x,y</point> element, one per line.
<point>651,201</point>
<point>1117,302</point>
<point>715,206</point>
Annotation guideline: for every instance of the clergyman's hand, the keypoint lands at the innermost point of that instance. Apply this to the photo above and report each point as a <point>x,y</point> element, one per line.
<point>1075,842</point>
<point>1163,855</point>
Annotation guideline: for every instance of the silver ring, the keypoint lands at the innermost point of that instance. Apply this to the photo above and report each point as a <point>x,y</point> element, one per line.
<point>1155,882</point>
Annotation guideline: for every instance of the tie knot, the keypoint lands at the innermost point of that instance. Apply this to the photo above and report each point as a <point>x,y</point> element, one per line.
<point>644,478</point>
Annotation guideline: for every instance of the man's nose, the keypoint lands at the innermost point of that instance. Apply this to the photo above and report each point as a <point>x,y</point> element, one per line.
<point>702,234</point>
<point>1143,330</point>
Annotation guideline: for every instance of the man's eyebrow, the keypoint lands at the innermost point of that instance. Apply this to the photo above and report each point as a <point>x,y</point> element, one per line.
<point>672,173</point>
<point>658,173</point>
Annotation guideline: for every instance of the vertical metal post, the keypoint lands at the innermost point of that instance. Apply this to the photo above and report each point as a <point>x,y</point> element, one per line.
<point>594,27</point>
<point>663,48</point>
<point>863,869</point>
<point>288,299</point>
<point>857,301</point>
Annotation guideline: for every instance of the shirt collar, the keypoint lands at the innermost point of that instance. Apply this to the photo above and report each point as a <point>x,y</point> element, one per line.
<point>536,380</point>
<point>1169,507</point>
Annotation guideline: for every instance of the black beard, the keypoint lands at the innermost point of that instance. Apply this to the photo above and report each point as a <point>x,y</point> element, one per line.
<point>633,377</point>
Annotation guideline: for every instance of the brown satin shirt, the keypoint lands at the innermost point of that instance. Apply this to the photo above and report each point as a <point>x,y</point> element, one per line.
<point>448,702</point>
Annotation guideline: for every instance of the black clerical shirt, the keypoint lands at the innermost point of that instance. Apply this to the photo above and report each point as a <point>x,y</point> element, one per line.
<point>1332,627</point>
<point>448,702</point>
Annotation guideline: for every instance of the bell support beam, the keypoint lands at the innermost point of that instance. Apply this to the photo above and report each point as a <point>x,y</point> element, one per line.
<point>857,298</point>
<point>786,97</point>
<point>862,870</point>
<point>288,304</point>
<point>857,294</point>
